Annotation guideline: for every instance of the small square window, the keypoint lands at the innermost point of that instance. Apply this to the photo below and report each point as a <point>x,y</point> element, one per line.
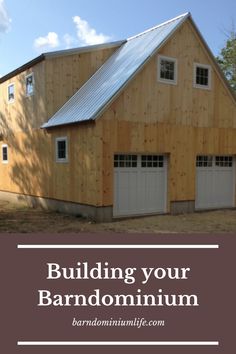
<point>61,150</point>
<point>29,85</point>
<point>11,93</point>
<point>167,70</point>
<point>4,154</point>
<point>202,76</point>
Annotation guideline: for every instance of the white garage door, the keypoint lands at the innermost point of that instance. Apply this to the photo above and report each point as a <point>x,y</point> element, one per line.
<point>215,182</point>
<point>140,184</point>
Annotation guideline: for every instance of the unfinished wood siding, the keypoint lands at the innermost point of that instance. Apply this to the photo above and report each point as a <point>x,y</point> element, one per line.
<point>32,168</point>
<point>28,170</point>
<point>180,143</point>
<point>65,75</point>
<point>79,180</point>
<point>180,120</point>
<point>26,112</point>
<point>148,100</point>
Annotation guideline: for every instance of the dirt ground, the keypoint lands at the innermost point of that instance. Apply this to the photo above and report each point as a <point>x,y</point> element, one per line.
<point>15,218</point>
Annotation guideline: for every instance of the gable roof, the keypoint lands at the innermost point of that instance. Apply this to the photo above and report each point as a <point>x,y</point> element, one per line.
<point>99,91</point>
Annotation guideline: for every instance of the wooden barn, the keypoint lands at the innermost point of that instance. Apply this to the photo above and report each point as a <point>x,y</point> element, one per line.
<point>142,126</point>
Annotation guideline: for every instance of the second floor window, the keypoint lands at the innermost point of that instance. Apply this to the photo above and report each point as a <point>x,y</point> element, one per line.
<point>202,76</point>
<point>29,85</point>
<point>167,69</point>
<point>11,93</point>
<point>4,153</point>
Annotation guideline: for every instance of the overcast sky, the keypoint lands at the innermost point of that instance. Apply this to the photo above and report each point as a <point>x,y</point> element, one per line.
<point>31,27</point>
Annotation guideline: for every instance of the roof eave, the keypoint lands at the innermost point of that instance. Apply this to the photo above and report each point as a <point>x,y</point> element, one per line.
<point>51,127</point>
<point>22,68</point>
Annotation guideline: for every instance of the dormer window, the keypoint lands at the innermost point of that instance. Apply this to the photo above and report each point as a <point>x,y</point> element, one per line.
<point>29,84</point>
<point>11,93</point>
<point>167,70</point>
<point>202,76</point>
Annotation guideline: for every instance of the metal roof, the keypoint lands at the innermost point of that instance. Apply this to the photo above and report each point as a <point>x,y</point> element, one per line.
<point>98,92</point>
<point>84,49</point>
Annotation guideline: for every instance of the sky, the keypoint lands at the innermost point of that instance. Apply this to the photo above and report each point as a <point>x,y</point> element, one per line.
<point>31,27</point>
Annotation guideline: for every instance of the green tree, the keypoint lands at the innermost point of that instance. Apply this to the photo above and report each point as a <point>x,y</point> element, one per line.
<point>227,59</point>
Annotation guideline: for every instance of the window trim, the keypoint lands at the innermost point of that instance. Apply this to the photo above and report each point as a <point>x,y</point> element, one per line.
<point>204,66</point>
<point>5,161</point>
<point>11,100</point>
<point>167,81</point>
<point>29,94</point>
<point>61,160</point>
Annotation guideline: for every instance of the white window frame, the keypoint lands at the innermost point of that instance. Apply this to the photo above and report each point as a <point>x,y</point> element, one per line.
<point>61,160</point>
<point>204,66</point>
<point>11,100</point>
<point>167,81</point>
<point>27,76</point>
<point>5,146</point>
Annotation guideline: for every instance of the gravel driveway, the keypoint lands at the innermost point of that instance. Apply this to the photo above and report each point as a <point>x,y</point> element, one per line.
<point>15,218</point>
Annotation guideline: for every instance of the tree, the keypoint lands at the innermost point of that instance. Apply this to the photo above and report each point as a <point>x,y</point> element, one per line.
<point>227,59</point>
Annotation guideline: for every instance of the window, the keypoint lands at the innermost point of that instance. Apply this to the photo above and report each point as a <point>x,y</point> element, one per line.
<point>204,161</point>
<point>224,161</point>
<point>216,161</point>
<point>202,76</point>
<point>11,93</point>
<point>152,161</point>
<point>61,150</point>
<point>4,154</point>
<point>167,70</point>
<point>125,161</point>
<point>29,85</point>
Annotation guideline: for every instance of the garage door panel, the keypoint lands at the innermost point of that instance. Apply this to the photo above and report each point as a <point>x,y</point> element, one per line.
<point>152,191</point>
<point>141,189</point>
<point>147,188</point>
<point>156,192</point>
<point>215,182</point>
<point>223,188</point>
<point>205,188</point>
<point>126,184</point>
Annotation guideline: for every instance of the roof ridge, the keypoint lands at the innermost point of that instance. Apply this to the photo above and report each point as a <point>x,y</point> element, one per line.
<point>84,48</point>
<point>58,53</point>
<point>186,14</point>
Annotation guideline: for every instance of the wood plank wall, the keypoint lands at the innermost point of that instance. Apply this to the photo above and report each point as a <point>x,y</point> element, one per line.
<point>32,168</point>
<point>26,112</point>
<point>65,75</point>
<point>180,121</point>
